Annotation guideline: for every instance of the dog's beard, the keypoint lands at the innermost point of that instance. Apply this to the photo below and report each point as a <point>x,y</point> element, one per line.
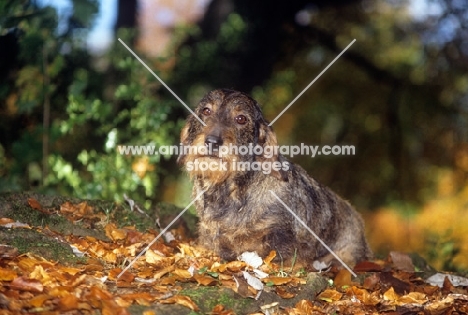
<point>215,167</point>
<point>208,164</point>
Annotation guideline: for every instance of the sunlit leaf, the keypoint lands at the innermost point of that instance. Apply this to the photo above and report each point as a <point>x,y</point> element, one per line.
<point>330,295</point>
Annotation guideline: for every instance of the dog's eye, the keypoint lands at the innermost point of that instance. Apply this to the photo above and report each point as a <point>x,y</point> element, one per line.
<point>241,119</point>
<point>206,111</point>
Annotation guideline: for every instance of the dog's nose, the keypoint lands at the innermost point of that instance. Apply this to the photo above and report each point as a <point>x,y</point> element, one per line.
<point>213,141</point>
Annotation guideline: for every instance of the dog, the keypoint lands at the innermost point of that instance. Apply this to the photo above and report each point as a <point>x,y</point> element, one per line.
<point>237,210</point>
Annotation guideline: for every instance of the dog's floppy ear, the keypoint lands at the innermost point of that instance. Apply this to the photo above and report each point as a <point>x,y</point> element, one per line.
<point>184,141</point>
<point>267,138</point>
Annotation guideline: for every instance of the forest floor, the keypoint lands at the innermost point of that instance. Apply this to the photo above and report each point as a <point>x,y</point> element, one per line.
<point>62,255</point>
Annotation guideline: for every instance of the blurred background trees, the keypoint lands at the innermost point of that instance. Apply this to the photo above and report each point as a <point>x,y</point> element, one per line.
<point>399,94</point>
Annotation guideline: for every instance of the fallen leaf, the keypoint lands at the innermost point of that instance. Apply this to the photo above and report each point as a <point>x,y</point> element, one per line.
<point>363,295</point>
<point>234,266</point>
<point>33,203</point>
<point>99,294</point>
<point>204,280</point>
<point>283,293</point>
<point>305,307</point>
<point>38,300</point>
<point>438,307</point>
<point>253,281</point>
<point>270,257</point>
<point>126,276</point>
<point>181,300</point>
<point>24,284</point>
<point>330,295</point>
<point>4,221</point>
<point>342,278</point>
<point>219,310</point>
<point>439,278</point>
<point>68,303</point>
<point>277,280</point>
<point>272,308</point>
<point>182,273</point>
<point>367,266</point>
<point>141,297</point>
<point>163,271</point>
<point>390,295</point>
<point>251,258</point>
<point>70,270</point>
<point>114,233</point>
<point>155,258</point>
<point>16,225</point>
<point>400,287</point>
<point>413,297</point>
<point>7,274</point>
<point>447,286</point>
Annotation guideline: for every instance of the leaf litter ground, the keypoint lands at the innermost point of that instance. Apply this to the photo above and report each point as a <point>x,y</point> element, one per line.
<point>175,276</point>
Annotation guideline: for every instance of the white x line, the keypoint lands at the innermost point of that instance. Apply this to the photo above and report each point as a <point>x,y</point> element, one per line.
<point>315,235</point>
<point>313,81</point>
<point>162,82</point>
<point>161,233</point>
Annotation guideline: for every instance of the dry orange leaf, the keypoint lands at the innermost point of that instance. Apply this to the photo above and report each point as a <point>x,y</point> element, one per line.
<point>114,233</point>
<point>413,297</point>
<point>234,266</point>
<point>30,262</point>
<point>127,276</point>
<point>363,295</point>
<point>283,293</point>
<point>163,271</point>
<point>156,259</point>
<point>138,297</point>
<point>343,278</point>
<point>67,207</point>
<point>40,274</point>
<point>24,284</point>
<point>181,300</point>
<point>39,300</point>
<point>204,280</point>
<point>110,307</point>
<point>182,273</point>
<point>330,295</point>
<point>270,257</point>
<point>219,310</point>
<point>229,284</point>
<point>7,274</point>
<point>277,280</point>
<point>305,307</point>
<point>367,266</point>
<point>68,303</point>
<point>186,250</point>
<point>390,295</point>
<point>99,293</point>
<point>4,221</point>
<point>76,211</point>
<point>33,203</point>
<point>70,270</point>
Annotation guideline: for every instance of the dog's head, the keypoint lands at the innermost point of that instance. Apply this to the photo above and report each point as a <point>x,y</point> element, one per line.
<point>233,120</point>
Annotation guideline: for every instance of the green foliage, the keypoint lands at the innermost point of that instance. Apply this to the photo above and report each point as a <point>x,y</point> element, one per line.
<point>91,111</point>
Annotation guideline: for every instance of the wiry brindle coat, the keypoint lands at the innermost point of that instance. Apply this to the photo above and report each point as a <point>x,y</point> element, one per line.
<point>238,213</point>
